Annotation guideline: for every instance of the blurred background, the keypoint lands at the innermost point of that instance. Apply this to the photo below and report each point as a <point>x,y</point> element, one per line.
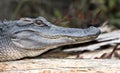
<point>67,13</point>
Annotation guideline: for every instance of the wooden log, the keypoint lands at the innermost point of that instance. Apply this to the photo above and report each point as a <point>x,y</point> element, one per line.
<point>61,66</point>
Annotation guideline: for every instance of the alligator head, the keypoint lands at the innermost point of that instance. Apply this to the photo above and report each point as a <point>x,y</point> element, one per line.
<point>39,33</point>
<point>33,36</point>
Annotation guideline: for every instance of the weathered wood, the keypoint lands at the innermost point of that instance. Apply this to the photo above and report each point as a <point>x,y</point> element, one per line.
<point>61,66</point>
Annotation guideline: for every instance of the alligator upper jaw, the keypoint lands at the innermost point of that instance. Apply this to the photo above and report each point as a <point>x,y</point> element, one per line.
<point>74,34</point>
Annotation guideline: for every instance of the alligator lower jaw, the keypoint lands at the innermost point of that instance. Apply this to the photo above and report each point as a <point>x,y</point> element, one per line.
<point>73,41</point>
<point>80,39</point>
<point>84,39</point>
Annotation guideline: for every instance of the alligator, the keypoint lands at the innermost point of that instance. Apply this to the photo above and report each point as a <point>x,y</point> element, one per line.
<point>30,37</point>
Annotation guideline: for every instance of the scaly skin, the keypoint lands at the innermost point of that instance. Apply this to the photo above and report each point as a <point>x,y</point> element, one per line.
<point>29,37</point>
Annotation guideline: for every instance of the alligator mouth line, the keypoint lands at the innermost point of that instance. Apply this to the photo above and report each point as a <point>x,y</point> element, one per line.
<point>74,38</point>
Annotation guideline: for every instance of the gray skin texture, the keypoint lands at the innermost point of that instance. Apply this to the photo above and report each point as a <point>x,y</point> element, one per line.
<point>29,37</point>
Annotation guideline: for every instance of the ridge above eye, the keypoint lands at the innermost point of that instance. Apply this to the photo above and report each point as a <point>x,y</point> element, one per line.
<point>26,19</point>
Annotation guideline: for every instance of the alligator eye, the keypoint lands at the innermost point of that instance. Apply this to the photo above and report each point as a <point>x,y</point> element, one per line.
<point>39,23</point>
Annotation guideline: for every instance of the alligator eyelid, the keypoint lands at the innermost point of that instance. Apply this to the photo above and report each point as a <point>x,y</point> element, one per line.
<point>39,23</point>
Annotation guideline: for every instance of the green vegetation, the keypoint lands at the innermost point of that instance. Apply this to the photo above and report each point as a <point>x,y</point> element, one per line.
<point>70,13</point>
